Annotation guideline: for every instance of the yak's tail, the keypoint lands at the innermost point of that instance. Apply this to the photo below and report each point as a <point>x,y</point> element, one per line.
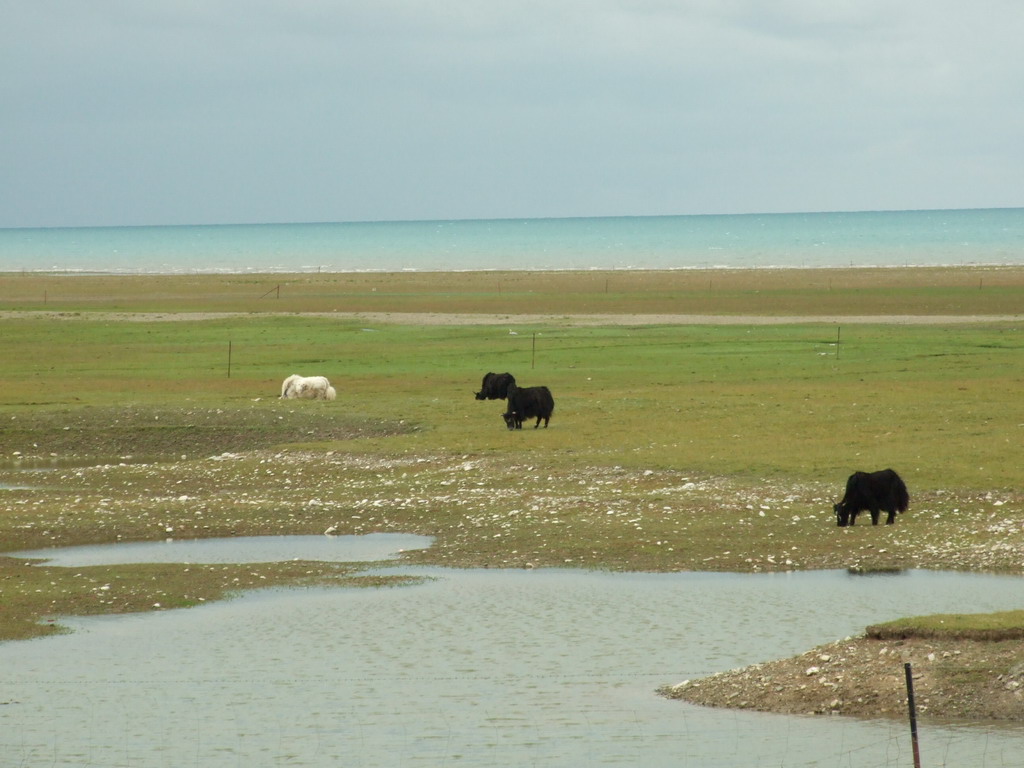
<point>902,497</point>
<point>288,385</point>
<point>330,394</point>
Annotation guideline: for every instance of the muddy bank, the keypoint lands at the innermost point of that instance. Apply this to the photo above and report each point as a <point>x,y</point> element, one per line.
<point>863,677</point>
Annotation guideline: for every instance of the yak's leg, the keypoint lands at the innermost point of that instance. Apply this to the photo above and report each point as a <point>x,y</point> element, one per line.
<point>892,517</point>
<point>874,515</point>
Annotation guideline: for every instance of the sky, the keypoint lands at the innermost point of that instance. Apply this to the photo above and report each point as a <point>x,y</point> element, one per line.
<point>120,112</point>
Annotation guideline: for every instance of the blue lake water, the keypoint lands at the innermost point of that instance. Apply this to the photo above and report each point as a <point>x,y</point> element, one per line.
<point>547,668</point>
<point>871,238</point>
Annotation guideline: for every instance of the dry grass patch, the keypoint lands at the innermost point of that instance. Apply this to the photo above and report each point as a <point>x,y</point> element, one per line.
<point>918,290</point>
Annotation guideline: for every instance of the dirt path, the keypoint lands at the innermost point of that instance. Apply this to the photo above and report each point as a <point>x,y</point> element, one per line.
<point>445,319</point>
<point>432,318</point>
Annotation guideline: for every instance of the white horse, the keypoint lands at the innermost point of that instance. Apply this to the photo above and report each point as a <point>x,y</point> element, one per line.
<point>309,387</point>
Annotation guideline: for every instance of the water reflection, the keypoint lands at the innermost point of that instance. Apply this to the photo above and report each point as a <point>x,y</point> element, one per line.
<point>242,549</point>
<point>55,462</point>
<point>473,668</point>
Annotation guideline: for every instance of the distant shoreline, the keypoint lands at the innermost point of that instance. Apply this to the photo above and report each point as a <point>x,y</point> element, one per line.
<point>313,270</point>
<point>734,296</point>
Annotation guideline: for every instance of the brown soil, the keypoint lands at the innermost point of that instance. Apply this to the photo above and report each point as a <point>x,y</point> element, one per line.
<point>953,679</point>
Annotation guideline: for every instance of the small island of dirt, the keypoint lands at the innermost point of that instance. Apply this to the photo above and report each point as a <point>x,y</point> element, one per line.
<point>954,679</point>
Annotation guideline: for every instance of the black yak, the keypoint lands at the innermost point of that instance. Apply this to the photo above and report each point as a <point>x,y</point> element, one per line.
<point>874,491</point>
<point>528,403</point>
<point>495,386</point>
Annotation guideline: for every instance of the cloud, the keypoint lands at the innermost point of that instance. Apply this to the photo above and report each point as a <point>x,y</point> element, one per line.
<point>123,112</point>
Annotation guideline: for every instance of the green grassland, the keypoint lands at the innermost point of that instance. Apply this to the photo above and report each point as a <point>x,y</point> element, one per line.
<point>672,447</point>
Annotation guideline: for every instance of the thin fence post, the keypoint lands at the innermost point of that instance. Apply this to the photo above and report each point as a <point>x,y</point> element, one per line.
<point>839,332</point>
<point>533,354</point>
<point>913,714</point>
<point>229,359</point>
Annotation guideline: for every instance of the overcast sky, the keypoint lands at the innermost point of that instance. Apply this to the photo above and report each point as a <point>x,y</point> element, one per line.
<point>120,112</point>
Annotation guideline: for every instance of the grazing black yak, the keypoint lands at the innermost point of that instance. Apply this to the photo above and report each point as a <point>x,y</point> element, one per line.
<point>875,492</point>
<point>528,403</point>
<point>495,386</point>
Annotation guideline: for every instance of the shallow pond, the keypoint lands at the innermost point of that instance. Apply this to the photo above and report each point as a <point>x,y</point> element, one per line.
<point>242,549</point>
<point>473,668</point>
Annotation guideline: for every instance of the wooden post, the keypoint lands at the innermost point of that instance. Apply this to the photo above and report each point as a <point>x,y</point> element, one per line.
<point>533,355</point>
<point>839,331</point>
<point>229,359</point>
<point>913,714</point>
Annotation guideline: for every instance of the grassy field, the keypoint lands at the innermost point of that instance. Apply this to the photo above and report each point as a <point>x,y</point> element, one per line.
<point>152,402</point>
